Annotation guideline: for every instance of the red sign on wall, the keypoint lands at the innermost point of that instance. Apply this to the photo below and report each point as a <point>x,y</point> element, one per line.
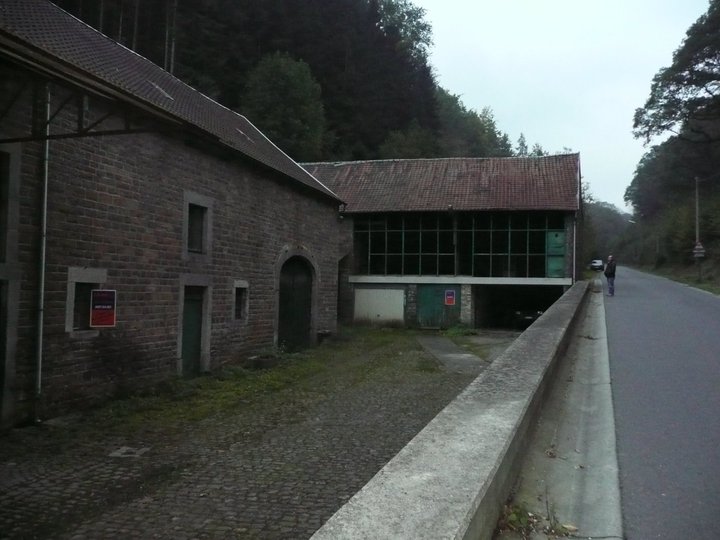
<point>450,297</point>
<point>102,308</point>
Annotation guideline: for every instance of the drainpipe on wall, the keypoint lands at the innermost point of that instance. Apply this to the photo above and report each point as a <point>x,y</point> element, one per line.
<point>41,263</point>
<point>574,274</point>
<point>577,215</point>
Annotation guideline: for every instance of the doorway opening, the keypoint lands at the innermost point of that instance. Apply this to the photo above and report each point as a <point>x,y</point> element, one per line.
<point>192,330</point>
<point>295,305</point>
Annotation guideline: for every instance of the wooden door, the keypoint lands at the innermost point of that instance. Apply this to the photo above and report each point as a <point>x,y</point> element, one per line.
<point>192,330</point>
<point>295,305</point>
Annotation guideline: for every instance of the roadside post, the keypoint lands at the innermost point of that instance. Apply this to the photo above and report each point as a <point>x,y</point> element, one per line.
<point>699,253</point>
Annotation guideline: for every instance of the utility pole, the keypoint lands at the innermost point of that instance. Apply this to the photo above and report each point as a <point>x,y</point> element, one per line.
<point>697,210</point>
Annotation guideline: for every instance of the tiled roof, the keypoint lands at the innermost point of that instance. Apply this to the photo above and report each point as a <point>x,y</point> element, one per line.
<point>532,183</point>
<point>37,31</point>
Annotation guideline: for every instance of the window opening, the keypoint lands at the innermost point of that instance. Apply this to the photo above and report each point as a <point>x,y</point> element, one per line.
<point>241,303</point>
<point>482,244</point>
<point>81,308</point>
<point>196,228</point>
<point>4,201</point>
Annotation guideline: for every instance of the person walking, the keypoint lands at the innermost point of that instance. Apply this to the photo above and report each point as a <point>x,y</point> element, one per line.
<point>610,275</point>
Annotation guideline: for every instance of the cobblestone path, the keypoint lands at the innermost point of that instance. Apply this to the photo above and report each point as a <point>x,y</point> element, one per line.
<point>274,468</point>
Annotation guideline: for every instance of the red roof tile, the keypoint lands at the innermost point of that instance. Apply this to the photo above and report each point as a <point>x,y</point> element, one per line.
<point>533,183</point>
<point>38,32</point>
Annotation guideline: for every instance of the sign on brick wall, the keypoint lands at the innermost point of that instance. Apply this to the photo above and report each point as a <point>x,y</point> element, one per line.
<point>103,303</point>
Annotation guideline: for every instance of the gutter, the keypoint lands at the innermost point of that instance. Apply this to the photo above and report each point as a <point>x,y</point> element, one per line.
<point>41,263</point>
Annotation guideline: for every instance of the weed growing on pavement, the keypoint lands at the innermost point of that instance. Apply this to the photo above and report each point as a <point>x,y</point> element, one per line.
<point>459,330</point>
<point>199,397</point>
<point>554,527</point>
<point>297,377</point>
<point>281,392</point>
<point>516,517</point>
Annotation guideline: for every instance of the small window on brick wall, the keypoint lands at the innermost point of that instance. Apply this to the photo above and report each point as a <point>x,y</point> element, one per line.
<point>4,183</point>
<point>81,309</point>
<point>240,301</point>
<point>196,228</point>
<point>81,280</point>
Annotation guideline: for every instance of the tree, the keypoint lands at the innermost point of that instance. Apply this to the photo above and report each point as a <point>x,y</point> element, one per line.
<point>408,21</point>
<point>521,150</point>
<point>412,143</point>
<point>685,97</point>
<point>283,99</point>
<point>605,224</point>
<point>538,151</point>
<point>466,133</point>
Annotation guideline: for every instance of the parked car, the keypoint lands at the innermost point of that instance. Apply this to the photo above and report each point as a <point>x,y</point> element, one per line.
<point>597,265</point>
<point>522,318</point>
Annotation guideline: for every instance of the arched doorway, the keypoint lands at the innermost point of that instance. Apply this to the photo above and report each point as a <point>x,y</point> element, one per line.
<point>295,304</point>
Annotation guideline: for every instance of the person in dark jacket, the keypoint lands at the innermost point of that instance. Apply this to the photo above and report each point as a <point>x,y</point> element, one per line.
<point>610,275</point>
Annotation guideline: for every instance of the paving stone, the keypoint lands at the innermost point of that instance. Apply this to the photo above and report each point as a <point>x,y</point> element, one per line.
<point>258,472</point>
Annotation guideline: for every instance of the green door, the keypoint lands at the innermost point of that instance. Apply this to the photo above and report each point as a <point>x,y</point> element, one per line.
<point>438,306</point>
<point>295,305</point>
<point>192,330</point>
<point>555,254</point>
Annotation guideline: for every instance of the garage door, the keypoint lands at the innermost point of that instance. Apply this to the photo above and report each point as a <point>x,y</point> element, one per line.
<point>380,305</point>
<point>438,305</point>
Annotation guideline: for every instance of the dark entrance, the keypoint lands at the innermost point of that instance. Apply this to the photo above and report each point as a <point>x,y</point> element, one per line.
<point>192,330</point>
<point>510,306</point>
<point>295,310</point>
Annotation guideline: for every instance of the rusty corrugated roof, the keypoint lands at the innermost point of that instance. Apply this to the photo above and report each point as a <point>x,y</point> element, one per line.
<point>407,185</point>
<point>39,32</point>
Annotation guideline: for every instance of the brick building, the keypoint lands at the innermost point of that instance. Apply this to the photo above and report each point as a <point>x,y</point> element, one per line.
<point>438,242</point>
<point>145,231</point>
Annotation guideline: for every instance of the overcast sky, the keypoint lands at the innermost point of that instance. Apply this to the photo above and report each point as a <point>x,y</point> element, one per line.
<point>566,73</point>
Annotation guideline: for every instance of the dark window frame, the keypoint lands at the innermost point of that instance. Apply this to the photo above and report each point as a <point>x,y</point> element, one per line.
<point>495,244</point>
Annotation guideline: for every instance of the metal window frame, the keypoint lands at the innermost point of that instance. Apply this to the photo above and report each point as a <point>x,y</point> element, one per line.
<point>500,222</point>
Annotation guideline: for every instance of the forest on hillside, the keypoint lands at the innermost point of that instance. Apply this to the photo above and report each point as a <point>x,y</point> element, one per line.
<point>351,80</point>
<point>324,79</point>
<point>675,192</point>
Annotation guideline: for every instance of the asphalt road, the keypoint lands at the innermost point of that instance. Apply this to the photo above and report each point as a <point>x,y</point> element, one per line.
<point>664,347</point>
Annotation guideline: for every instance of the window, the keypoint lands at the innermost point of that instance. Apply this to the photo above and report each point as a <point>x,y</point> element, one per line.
<point>81,281</point>
<point>240,300</point>
<point>81,309</point>
<point>482,244</point>
<point>4,184</point>
<point>197,226</point>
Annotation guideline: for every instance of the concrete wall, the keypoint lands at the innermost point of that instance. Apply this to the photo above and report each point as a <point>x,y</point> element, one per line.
<point>117,209</point>
<point>452,479</point>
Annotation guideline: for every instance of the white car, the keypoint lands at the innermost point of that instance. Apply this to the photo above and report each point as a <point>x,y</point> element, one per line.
<point>597,264</point>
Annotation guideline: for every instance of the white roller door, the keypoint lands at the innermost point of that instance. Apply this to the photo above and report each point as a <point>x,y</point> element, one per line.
<point>380,305</point>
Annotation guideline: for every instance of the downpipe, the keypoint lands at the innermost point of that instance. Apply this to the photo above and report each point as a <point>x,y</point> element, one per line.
<point>575,244</point>
<point>41,263</point>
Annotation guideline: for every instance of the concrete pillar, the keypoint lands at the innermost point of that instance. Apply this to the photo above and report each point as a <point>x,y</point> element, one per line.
<point>411,305</point>
<point>467,306</point>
